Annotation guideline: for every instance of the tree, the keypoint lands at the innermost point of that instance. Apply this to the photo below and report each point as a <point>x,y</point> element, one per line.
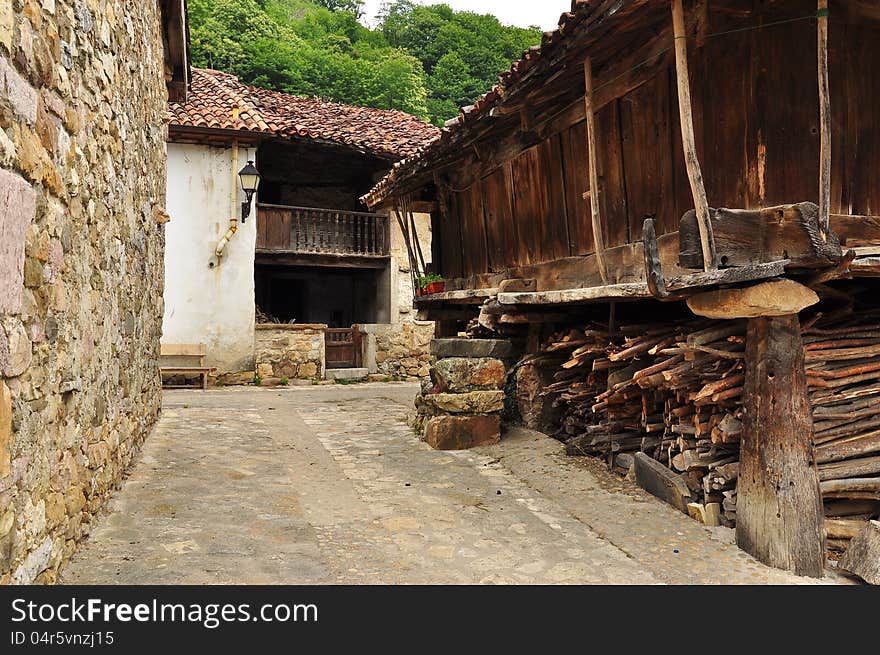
<point>426,60</point>
<point>355,7</point>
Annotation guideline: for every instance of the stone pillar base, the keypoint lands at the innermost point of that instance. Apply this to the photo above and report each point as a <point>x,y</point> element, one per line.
<point>461,407</point>
<point>462,432</point>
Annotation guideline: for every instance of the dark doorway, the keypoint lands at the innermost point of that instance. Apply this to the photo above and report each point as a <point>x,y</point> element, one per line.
<point>336,297</point>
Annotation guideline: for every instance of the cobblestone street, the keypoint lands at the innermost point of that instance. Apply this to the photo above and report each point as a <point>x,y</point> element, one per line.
<point>323,484</point>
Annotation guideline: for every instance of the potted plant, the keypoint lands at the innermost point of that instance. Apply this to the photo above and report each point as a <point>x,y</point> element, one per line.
<point>432,283</point>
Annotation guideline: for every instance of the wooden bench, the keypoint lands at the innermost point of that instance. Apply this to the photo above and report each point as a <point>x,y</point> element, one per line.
<point>183,359</point>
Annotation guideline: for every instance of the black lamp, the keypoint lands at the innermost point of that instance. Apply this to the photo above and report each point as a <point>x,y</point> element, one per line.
<point>250,182</point>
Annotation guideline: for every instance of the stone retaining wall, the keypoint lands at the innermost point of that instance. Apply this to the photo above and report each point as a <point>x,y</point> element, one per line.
<point>400,349</point>
<point>82,184</point>
<point>295,352</point>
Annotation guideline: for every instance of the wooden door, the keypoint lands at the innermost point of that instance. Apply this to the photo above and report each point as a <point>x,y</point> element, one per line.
<point>343,347</point>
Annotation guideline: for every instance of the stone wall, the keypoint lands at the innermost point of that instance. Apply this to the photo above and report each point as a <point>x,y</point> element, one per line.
<point>82,183</point>
<point>295,352</point>
<point>400,349</point>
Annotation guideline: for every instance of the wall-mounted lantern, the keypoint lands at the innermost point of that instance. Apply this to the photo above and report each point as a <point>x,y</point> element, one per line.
<point>250,182</point>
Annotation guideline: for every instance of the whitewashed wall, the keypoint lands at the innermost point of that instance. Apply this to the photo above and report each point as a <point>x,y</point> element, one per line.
<point>214,306</point>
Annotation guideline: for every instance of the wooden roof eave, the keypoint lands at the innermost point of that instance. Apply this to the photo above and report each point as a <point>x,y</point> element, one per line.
<point>592,30</point>
<point>175,25</point>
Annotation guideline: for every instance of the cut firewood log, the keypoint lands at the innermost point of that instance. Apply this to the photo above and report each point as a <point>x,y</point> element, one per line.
<point>843,528</point>
<point>849,468</point>
<point>862,558</point>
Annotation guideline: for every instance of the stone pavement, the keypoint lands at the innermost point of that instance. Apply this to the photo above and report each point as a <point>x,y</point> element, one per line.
<point>321,484</point>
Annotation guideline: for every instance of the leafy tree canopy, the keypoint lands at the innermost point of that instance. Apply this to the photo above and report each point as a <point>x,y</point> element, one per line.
<point>425,60</point>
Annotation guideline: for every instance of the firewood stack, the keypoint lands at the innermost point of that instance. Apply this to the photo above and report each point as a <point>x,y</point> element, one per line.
<point>842,355</point>
<point>674,393</point>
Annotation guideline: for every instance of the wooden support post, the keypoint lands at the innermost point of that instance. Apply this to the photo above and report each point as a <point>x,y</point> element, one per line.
<point>824,123</point>
<point>695,175</point>
<point>598,238</point>
<point>779,516</point>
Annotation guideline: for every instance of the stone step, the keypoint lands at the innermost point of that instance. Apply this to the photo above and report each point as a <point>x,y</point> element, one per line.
<point>346,373</point>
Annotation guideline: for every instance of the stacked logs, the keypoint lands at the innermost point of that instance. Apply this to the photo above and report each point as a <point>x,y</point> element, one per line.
<point>674,393</point>
<point>842,356</point>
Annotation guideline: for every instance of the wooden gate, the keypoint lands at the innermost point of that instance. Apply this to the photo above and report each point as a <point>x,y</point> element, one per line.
<point>343,346</point>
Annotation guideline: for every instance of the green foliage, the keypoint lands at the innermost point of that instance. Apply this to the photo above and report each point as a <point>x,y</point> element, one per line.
<point>425,280</point>
<point>462,52</point>
<point>283,382</point>
<point>257,381</point>
<point>425,60</point>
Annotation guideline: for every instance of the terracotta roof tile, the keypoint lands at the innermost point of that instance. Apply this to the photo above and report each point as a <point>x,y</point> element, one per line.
<point>220,101</point>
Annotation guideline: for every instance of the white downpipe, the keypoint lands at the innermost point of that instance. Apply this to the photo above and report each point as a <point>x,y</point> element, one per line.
<point>233,201</point>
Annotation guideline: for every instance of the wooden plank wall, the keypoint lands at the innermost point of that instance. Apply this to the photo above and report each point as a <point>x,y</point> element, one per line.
<point>755,103</point>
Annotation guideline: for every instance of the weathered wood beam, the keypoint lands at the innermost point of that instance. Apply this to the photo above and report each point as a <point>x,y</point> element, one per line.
<point>779,515</point>
<point>749,236</point>
<point>689,143</point>
<point>824,120</point>
<point>653,269</point>
<point>464,296</point>
<point>598,239</point>
<point>639,290</point>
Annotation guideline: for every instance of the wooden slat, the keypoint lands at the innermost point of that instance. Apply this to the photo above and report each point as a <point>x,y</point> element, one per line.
<point>688,140</point>
<point>592,151</point>
<point>311,230</point>
<point>824,119</point>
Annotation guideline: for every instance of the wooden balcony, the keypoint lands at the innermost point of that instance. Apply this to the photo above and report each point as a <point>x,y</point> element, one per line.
<point>311,231</point>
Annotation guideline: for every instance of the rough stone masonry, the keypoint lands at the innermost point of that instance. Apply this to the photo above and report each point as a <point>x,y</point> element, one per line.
<point>82,170</point>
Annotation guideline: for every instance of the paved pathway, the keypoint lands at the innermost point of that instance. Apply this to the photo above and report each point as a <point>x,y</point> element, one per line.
<point>321,484</point>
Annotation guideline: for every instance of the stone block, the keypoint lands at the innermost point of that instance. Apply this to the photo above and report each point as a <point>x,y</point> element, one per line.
<point>462,432</point>
<point>7,20</point>
<point>347,373</point>
<point>15,349</point>
<point>498,348</point>
<point>461,374</point>
<point>474,402</point>
<point>5,430</point>
<point>773,298</point>
<point>21,95</point>
<point>18,208</point>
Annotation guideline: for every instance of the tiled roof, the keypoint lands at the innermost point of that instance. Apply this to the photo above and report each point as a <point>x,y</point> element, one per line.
<point>535,60</point>
<point>220,101</point>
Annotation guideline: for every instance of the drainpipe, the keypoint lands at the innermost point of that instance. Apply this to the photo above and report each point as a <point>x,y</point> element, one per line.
<point>233,222</point>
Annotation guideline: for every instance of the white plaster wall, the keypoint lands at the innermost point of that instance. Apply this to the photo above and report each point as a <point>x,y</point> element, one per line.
<point>401,284</point>
<point>214,306</point>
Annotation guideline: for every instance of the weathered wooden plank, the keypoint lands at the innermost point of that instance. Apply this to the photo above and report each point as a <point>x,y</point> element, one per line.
<point>658,480</point>
<point>646,135</point>
<point>744,237</point>
<point>592,151</point>
<point>637,290</point>
<point>863,555</point>
<point>466,296</point>
<point>526,169</point>
<point>577,174</point>
<point>612,186</point>
<point>692,163</point>
<point>824,119</point>
<point>473,233</point>
<point>499,219</point>
<point>779,507</point>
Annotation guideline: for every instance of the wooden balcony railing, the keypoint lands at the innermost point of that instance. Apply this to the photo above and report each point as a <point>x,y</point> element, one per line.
<point>311,230</point>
